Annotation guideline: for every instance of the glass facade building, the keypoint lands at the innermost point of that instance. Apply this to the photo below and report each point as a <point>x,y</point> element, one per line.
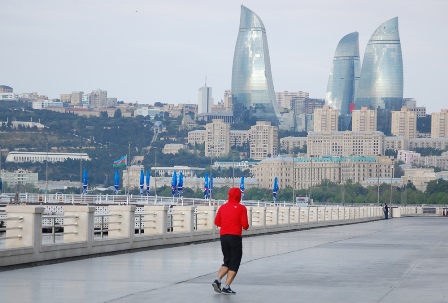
<point>344,74</point>
<point>253,93</point>
<point>381,83</point>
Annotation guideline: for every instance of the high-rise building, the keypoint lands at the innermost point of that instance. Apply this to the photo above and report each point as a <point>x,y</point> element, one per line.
<point>98,98</point>
<point>253,94</point>
<point>205,102</point>
<point>284,98</point>
<point>404,123</point>
<point>344,74</point>
<point>326,119</point>
<point>263,138</point>
<point>217,138</point>
<point>228,100</point>
<point>439,124</point>
<point>364,119</point>
<point>381,82</point>
<point>76,98</point>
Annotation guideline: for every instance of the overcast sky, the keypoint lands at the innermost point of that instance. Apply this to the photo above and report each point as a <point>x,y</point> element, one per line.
<point>148,51</point>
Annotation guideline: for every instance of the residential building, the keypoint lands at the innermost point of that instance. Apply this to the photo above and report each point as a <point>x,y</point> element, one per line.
<point>404,123</point>
<point>364,119</point>
<point>419,177</point>
<point>396,143</point>
<point>6,89</point>
<point>439,124</point>
<point>407,156</point>
<point>288,144</point>
<point>19,177</point>
<point>197,136</point>
<point>326,119</point>
<point>217,138</point>
<point>284,98</point>
<point>77,98</point>
<point>437,143</point>
<point>228,100</point>
<point>263,140</point>
<point>253,94</point>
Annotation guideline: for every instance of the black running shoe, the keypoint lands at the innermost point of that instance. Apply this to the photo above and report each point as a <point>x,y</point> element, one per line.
<point>216,286</point>
<point>227,291</point>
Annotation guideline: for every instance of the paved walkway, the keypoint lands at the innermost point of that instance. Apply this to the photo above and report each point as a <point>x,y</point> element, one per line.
<point>398,260</point>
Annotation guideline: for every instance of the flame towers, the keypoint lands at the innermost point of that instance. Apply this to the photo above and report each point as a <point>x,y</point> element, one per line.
<point>344,74</point>
<point>253,94</point>
<point>381,82</point>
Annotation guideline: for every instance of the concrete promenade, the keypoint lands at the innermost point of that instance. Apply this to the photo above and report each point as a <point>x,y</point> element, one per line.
<point>397,260</point>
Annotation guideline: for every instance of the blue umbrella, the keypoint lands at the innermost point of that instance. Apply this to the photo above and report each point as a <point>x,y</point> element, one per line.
<point>242,186</point>
<point>275,190</point>
<point>180,184</point>
<point>117,181</point>
<point>142,181</point>
<point>84,182</point>
<point>174,184</point>
<point>206,186</point>
<point>148,177</point>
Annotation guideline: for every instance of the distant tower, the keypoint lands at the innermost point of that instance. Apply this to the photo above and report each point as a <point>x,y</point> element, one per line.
<point>205,101</point>
<point>344,74</point>
<point>252,89</point>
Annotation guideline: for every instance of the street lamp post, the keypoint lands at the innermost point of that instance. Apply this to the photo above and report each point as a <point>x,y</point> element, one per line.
<point>378,178</point>
<point>233,169</point>
<point>391,176</point>
<point>293,180</point>
<point>46,172</point>
<point>155,172</point>
<point>311,177</point>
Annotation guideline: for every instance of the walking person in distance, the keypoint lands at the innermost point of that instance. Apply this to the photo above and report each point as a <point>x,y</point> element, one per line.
<point>232,219</point>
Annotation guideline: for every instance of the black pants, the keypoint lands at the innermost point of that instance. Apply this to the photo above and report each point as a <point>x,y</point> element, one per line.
<point>232,249</point>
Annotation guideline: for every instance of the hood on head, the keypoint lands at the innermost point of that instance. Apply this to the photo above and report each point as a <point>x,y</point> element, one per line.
<point>234,195</point>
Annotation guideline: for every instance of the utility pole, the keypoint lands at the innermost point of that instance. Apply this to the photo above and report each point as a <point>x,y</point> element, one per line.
<point>46,172</point>
<point>293,179</point>
<point>378,176</point>
<point>391,176</point>
<point>311,178</point>
<point>127,166</point>
<point>155,172</point>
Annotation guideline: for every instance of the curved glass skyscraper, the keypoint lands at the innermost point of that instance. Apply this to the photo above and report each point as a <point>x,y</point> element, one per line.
<point>252,88</point>
<point>381,82</point>
<point>344,74</point>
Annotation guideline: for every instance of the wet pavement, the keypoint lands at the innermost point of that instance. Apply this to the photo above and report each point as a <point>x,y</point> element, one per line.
<point>397,260</point>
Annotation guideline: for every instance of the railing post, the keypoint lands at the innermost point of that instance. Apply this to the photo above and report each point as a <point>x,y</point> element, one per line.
<point>206,217</point>
<point>272,215</point>
<point>283,215</point>
<point>27,230</point>
<point>183,218</point>
<point>78,227</point>
<point>121,221</point>
<point>158,213</point>
<point>260,217</point>
<point>294,215</point>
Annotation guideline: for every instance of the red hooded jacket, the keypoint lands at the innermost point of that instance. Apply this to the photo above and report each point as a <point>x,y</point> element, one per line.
<point>232,216</point>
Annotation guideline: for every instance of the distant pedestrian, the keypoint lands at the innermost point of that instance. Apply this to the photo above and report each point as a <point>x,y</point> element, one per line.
<point>386,211</point>
<point>232,218</point>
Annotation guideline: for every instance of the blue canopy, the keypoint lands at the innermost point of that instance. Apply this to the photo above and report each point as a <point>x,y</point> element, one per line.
<point>142,181</point>
<point>242,185</point>
<point>84,181</point>
<point>116,181</point>
<point>275,189</point>
<point>180,184</point>
<point>206,186</point>
<point>174,184</point>
<point>148,177</point>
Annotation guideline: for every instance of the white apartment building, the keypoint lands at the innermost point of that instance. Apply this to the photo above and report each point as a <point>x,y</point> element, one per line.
<point>263,140</point>
<point>439,124</point>
<point>404,123</point>
<point>364,119</point>
<point>217,138</point>
<point>9,97</point>
<point>407,156</point>
<point>289,143</point>
<point>432,161</point>
<point>311,171</point>
<point>19,177</point>
<point>345,143</point>
<point>228,103</point>
<point>46,103</point>
<point>419,177</point>
<point>326,119</point>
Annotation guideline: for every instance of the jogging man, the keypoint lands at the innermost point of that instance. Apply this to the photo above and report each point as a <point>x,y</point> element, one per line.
<point>232,218</point>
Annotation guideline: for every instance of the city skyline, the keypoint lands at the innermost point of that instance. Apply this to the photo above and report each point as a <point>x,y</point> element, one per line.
<point>141,50</point>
